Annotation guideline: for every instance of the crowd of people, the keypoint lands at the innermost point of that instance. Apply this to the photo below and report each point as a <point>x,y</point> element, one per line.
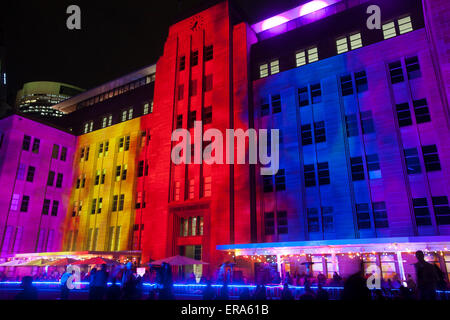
<point>131,286</point>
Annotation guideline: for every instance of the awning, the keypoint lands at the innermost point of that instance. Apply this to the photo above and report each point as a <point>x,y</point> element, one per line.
<point>178,261</point>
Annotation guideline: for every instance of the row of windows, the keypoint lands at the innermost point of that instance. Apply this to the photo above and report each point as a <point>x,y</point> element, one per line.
<point>208,54</point>
<point>54,207</point>
<point>24,205</point>
<point>344,44</point>
<point>26,144</point>
<point>275,223</point>
<point>103,149</point>
<point>117,91</point>
<point>191,226</point>
<point>421,112</point>
<point>430,158</point>
<point>192,117</point>
<point>193,84</point>
<point>190,191</point>
<point>317,222</point>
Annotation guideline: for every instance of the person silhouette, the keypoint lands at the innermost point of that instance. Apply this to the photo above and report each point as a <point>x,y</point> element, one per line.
<point>427,278</point>
<point>208,293</point>
<point>113,292</point>
<point>28,292</point>
<point>286,294</point>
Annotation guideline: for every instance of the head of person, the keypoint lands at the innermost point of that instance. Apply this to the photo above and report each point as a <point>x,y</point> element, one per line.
<point>27,282</point>
<point>104,267</point>
<point>286,286</point>
<point>419,255</point>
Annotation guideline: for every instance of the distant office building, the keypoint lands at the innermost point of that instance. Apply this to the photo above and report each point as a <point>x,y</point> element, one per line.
<point>38,97</point>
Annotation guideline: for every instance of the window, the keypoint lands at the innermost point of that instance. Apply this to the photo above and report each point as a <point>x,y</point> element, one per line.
<point>127,143</point>
<point>354,40</point>
<point>263,70</point>
<point>15,202</point>
<point>431,158</point>
<point>102,181</point>
<point>140,171</point>
<point>207,186</point>
<point>94,206</point>
<point>403,114</point>
<point>276,103</point>
<point>55,151</point>
<point>267,183</point>
<point>127,114</point>
<point>323,173</point>
<point>24,204</point>
<point>115,202</point>
<point>303,97</point>
<point>30,174</point>
<point>121,202</point>
<point>441,210</point>
<point>413,68</point>
<point>313,220</point>
<point>97,178</point>
<point>46,207</point>
<point>421,111</point>
<point>373,166</point>
<point>55,208</point>
<point>422,212</point>
<point>107,121</point>
<point>342,45</point>
<point>36,143</point>
<point>300,58</point>
<point>192,88</point>
<point>306,134</point>
<point>313,55</point>
<point>363,216</point>
<point>274,66</point>
<point>51,178</point>
<point>404,25</point>
<point>176,193</point>
<point>59,180</point>
<point>396,72</point>
<point>2,137</point>
<point>26,143</point>
<point>310,175</point>
<point>88,126</point>
<point>412,161</point>
<point>191,189</point>
<point>306,56</point>
<point>207,115</point>
<point>194,58</point>
<point>346,85</point>
<point>179,121</point>
<point>328,219</point>
<point>124,172</point>
<point>191,119</point>
<point>208,83</point>
<point>265,109</point>
<point>361,81</point>
<point>269,223</point>
<point>351,123</point>
<point>380,215</point>
<point>180,92</point>
<point>208,53</point>
<point>21,171</point>
<point>319,132</point>
<point>182,64</point>
<point>316,93</point>
<point>280,180</point>
<point>118,170</point>
<point>139,201</point>
<point>282,222</point>
<point>63,155</point>
<point>389,30</point>
<point>367,122</point>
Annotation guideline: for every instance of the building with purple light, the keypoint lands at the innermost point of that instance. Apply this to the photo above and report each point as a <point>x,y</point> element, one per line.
<point>364,158</point>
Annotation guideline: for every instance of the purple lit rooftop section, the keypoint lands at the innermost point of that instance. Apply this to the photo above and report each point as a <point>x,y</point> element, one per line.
<point>283,18</point>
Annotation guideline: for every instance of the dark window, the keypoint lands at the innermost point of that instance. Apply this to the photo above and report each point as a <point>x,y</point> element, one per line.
<point>115,201</point>
<point>26,143</point>
<point>99,207</point>
<point>78,181</point>
<point>179,121</point>
<point>403,114</point>
<point>431,158</point>
<point>310,175</point>
<point>194,58</point>
<point>373,166</point>
<point>265,109</point>
<point>208,53</point>
<point>86,157</point>
<point>357,168</point>
<point>380,215</point>
<point>55,151</point>
<point>268,183</point>
<point>412,161</point>
<point>346,85</point>
<point>30,174</point>
<point>51,178</point>
<point>282,222</point>
<point>181,92</point>
<point>313,220</point>
<point>124,172</point>
<point>316,93</point>
<point>327,219</point>
<point>193,88</point>
<point>36,143</point>
<point>24,204</point>
<point>441,210</point>
<point>2,136</point>
<point>55,208</point>
<point>121,202</point>
<point>280,180</point>
<point>94,206</point>
<point>351,123</point>
<point>208,83</point>
<point>191,119</point>
<point>127,143</point>
<point>396,72</point>
<point>363,216</point>
<point>367,122</point>
<point>46,207</point>
<point>422,212</point>
<point>306,134</point>
<point>303,98</point>
<point>140,171</point>
<point>63,155</point>
<point>269,223</point>
<point>207,115</point>
<point>276,103</point>
<point>182,63</point>
<point>323,173</point>
<point>319,132</point>
<point>421,111</point>
<point>361,81</point>
<point>97,178</point>
<point>413,68</point>
<point>59,180</point>
<point>118,169</point>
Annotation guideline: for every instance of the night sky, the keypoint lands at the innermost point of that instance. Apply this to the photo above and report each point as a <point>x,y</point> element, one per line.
<point>116,37</point>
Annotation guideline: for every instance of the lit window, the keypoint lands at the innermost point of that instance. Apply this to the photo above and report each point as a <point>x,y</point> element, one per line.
<point>300,58</point>
<point>342,45</point>
<point>274,67</point>
<point>389,30</point>
<point>313,55</point>
<point>404,25</point>
<point>355,41</point>
<point>263,70</point>
<point>207,187</point>
<point>191,188</point>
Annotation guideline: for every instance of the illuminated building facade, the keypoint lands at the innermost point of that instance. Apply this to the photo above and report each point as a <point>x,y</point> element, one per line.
<point>364,162</point>
<point>38,97</point>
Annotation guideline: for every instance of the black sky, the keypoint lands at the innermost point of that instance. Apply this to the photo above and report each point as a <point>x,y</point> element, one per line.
<point>117,37</point>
